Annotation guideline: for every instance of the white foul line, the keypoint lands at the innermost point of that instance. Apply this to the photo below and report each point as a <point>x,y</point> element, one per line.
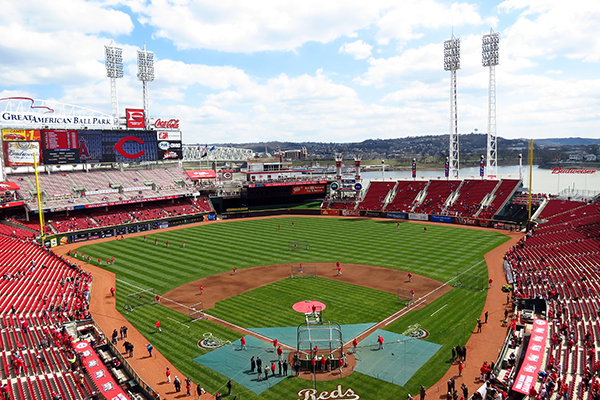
<point>181,323</point>
<point>438,310</point>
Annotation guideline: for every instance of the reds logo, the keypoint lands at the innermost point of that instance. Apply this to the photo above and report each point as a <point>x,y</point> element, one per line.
<point>135,118</point>
<point>121,151</point>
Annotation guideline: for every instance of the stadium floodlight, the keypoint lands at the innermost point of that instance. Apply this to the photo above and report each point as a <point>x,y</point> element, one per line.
<point>490,58</point>
<point>113,58</point>
<point>452,64</point>
<point>145,74</point>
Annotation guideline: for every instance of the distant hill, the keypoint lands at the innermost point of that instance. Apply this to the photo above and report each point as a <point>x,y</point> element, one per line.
<point>414,144</point>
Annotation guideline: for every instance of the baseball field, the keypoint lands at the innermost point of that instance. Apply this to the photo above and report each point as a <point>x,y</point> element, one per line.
<point>442,253</point>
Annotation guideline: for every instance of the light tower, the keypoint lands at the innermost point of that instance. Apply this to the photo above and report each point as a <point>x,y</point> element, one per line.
<point>490,45</point>
<point>113,57</point>
<point>452,64</point>
<point>145,74</point>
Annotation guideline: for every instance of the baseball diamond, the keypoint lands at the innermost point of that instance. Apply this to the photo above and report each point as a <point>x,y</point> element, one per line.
<point>257,301</point>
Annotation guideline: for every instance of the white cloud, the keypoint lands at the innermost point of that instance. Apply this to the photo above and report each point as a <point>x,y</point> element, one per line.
<point>403,20</point>
<point>215,77</point>
<point>359,49</point>
<point>383,71</point>
<point>251,26</point>
<point>419,91</point>
<point>553,28</point>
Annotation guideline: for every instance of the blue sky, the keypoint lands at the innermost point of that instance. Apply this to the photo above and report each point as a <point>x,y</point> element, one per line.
<point>237,71</point>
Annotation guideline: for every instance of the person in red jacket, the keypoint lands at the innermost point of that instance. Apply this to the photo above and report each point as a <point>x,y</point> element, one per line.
<point>158,326</point>
<point>243,343</point>
<point>354,345</point>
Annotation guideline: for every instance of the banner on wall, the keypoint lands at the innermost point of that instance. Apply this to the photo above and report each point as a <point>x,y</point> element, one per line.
<point>25,135</point>
<point>532,363</point>
<point>21,153</point>
<point>419,217</point>
<point>330,212</point>
<point>99,374</point>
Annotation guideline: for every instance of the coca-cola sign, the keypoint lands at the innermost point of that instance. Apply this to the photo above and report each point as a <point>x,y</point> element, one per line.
<point>164,124</point>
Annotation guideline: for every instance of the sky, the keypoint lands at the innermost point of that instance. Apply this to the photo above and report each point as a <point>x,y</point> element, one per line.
<point>235,71</point>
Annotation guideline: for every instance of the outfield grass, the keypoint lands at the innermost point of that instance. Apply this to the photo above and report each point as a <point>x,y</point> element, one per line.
<point>440,253</point>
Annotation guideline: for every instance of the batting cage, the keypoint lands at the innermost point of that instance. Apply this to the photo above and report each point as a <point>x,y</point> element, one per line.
<point>197,312</point>
<point>305,271</point>
<point>326,336</point>
<point>470,281</point>
<point>299,246</point>
<point>406,295</point>
<point>138,299</point>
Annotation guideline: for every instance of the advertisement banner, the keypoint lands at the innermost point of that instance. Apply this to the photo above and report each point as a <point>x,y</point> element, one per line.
<point>166,123</point>
<point>481,168</point>
<point>308,189</point>
<point>330,212</point>
<point>117,203</point>
<point>414,170</point>
<point>26,135</point>
<point>286,184</point>
<point>11,204</point>
<point>169,155</point>
<point>98,372</point>
<point>4,186</point>
<point>202,174</point>
<point>447,169</point>
<point>172,135</point>
<point>135,118</point>
<point>375,214</point>
<point>21,153</point>
<point>397,215</point>
<point>442,218</point>
<point>467,221</point>
<point>351,213</point>
<point>419,217</point>
<point>532,363</point>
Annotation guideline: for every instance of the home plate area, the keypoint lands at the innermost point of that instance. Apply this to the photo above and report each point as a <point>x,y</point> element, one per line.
<point>396,363</point>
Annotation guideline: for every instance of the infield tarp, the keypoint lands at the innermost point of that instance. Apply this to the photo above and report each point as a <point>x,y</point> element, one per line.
<point>234,363</point>
<point>398,361</point>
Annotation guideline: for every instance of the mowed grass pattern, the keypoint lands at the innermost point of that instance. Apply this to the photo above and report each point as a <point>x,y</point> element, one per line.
<point>439,253</point>
<point>346,304</point>
<point>210,249</point>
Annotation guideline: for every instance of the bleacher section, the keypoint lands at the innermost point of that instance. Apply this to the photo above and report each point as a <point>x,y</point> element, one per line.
<point>501,195</point>
<point>376,195</point>
<point>437,194</point>
<point>472,193</point>
<point>40,291</point>
<point>406,193</point>
<point>76,188</point>
<point>559,261</point>
<point>468,198</point>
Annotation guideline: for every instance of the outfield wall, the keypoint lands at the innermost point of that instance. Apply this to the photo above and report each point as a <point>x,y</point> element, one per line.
<point>488,223</point>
